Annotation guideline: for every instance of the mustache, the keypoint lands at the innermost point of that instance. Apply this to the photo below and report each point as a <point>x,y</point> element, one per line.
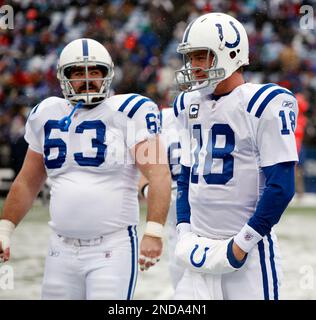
<point>91,86</point>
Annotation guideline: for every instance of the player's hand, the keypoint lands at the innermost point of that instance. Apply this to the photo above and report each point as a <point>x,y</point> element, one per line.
<point>6,229</point>
<point>150,252</point>
<point>238,252</point>
<point>4,254</point>
<point>202,254</point>
<point>4,248</point>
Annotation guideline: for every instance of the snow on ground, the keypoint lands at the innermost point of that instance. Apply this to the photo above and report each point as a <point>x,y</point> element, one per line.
<point>296,233</point>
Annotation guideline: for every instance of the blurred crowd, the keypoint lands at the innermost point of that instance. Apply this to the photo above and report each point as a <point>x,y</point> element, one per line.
<point>142,37</point>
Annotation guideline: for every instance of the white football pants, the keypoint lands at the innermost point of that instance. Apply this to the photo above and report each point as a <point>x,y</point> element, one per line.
<point>99,269</point>
<point>176,269</point>
<point>258,279</point>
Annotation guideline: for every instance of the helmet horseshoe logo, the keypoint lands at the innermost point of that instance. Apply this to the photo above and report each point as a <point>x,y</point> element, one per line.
<point>221,36</point>
<point>198,264</point>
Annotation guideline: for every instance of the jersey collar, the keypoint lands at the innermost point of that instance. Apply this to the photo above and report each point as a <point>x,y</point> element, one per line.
<point>217,96</point>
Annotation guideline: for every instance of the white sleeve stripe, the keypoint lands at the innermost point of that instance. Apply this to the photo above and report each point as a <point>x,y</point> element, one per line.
<point>175,109</point>
<point>132,104</point>
<point>182,107</point>
<point>262,98</point>
<point>127,101</point>
<point>256,96</point>
<point>268,98</point>
<point>137,106</point>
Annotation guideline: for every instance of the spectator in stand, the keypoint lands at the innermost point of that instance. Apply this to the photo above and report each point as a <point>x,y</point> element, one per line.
<point>299,136</point>
<point>141,37</point>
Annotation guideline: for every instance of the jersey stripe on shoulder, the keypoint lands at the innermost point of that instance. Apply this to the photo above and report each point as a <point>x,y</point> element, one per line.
<point>127,101</point>
<point>137,106</point>
<point>178,107</point>
<point>34,109</point>
<point>175,109</point>
<point>161,118</point>
<point>258,94</point>
<point>269,97</point>
<point>182,107</point>
<point>130,106</point>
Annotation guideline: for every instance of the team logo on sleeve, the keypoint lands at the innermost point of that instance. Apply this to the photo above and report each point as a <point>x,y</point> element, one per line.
<point>287,104</point>
<point>194,111</point>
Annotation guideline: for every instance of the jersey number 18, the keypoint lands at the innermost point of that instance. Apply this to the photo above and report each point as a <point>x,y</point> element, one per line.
<point>213,152</point>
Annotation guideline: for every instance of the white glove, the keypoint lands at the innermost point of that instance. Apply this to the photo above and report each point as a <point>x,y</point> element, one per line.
<point>183,228</point>
<point>6,230</point>
<point>202,254</point>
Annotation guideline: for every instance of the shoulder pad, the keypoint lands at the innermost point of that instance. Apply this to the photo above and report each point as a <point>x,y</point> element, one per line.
<point>47,103</point>
<point>263,96</point>
<point>178,104</point>
<point>131,103</point>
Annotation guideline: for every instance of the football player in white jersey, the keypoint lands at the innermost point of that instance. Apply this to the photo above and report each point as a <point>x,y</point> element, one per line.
<point>92,147</point>
<point>171,140</point>
<point>238,158</point>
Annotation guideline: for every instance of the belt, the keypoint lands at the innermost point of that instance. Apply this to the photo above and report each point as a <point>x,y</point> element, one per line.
<point>81,242</point>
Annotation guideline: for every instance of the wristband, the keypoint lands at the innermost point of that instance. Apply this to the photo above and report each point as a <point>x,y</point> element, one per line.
<point>6,227</point>
<point>183,228</point>
<point>247,238</point>
<point>154,229</point>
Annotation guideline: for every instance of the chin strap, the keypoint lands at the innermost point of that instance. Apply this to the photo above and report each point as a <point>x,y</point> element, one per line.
<point>205,90</point>
<point>66,121</point>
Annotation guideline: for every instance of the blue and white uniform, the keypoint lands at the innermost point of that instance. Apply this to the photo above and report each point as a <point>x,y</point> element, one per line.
<point>94,207</point>
<point>171,140</point>
<point>232,146</point>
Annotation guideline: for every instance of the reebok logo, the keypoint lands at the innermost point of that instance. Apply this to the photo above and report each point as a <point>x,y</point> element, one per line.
<point>287,104</point>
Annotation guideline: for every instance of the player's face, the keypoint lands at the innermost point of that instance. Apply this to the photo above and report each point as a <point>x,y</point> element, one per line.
<point>201,60</point>
<point>80,86</point>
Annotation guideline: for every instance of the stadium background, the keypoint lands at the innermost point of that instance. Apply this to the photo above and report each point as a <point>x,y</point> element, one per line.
<point>142,37</point>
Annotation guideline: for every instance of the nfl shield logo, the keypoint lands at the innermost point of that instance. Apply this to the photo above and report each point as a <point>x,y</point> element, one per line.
<point>248,236</point>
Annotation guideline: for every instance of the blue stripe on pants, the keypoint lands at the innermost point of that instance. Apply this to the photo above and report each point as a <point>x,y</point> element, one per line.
<point>263,270</point>
<point>132,282</point>
<point>274,273</point>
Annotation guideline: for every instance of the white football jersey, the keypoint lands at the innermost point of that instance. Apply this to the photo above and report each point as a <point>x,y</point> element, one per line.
<point>171,140</point>
<point>90,166</point>
<point>226,143</point>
